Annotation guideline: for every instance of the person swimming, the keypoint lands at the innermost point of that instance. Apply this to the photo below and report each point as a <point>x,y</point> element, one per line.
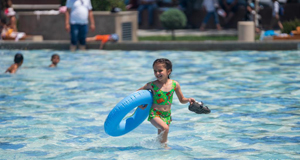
<point>18,62</point>
<point>55,60</point>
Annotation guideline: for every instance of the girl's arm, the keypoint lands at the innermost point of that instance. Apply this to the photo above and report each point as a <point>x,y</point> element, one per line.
<point>145,87</point>
<point>180,96</point>
<point>8,70</point>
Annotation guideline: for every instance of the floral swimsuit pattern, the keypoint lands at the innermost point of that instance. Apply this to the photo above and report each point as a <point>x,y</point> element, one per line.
<point>163,115</point>
<point>162,98</point>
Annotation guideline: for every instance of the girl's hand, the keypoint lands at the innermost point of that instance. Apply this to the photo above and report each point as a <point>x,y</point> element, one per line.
<point>191,100</point>
<point>143,106</point>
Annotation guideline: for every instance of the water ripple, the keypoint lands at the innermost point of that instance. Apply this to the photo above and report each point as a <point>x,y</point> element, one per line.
<point>59,113</point>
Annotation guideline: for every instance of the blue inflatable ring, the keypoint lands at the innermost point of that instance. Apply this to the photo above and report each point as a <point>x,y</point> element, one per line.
<point>115,123</point>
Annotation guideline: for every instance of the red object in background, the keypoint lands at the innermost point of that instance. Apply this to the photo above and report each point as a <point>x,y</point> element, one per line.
<point>6,11</point>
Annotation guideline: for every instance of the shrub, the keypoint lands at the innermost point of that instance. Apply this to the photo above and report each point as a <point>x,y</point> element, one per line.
<point>173,19</point>
<point>107,5</point>
<point>103,5</point>
<point>288,26</point>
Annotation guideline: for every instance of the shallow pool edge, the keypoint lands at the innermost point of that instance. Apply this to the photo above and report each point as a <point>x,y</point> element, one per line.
<point>149,45</point>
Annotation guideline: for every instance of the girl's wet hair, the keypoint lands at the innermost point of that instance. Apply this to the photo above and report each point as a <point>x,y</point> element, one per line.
<point>166,62</point>
<point>54,55</point>
<point>18,58</point>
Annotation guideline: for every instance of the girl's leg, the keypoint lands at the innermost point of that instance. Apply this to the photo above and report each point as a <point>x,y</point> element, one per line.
<point>162,127</point>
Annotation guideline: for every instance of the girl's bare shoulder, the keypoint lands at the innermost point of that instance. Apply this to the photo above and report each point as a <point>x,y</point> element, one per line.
<point>148,85</point>
<point>174,81</point>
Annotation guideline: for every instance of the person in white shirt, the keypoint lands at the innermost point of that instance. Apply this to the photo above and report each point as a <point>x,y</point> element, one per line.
<point>76,21</point>
<point>275,15</point>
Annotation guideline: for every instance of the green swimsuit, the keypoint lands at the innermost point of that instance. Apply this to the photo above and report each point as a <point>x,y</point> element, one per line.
<point>162,98</point>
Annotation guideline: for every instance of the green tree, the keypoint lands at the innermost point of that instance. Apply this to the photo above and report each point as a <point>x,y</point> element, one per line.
<point>103,5</point>
<point>288,26</point>
<point>173,19</point>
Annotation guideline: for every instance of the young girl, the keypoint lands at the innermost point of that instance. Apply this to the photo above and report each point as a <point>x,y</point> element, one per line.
<point>18,62</point>
<point>163,89</point>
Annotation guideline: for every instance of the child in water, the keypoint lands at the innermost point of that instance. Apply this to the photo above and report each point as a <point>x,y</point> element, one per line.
<point>163,89</point>
<point>103,38</point>
<point>18,62</point>
<point>55,60</point>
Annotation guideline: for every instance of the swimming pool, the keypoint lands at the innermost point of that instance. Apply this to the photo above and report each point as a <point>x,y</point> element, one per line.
<point>59,113</point>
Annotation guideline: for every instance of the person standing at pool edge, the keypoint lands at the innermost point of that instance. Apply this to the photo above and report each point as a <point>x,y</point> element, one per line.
<point>18,62</point>
<point>76,19</point>
<point>275,15</point>
<point>163,89</point>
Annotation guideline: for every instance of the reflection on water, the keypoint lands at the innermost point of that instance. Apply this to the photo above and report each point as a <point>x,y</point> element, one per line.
<point>58,113</point>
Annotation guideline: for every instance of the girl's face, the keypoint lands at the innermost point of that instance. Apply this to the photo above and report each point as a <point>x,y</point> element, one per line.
<point>55,60</point>
<point>160,71</point>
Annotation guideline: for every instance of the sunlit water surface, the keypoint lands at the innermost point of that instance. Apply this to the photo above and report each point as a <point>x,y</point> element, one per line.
<point>59,113</point>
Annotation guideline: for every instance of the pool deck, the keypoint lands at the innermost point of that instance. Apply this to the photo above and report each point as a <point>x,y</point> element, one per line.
<point>167,45</point>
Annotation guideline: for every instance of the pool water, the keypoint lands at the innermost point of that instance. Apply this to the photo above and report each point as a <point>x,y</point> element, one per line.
<point>59,113</point>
